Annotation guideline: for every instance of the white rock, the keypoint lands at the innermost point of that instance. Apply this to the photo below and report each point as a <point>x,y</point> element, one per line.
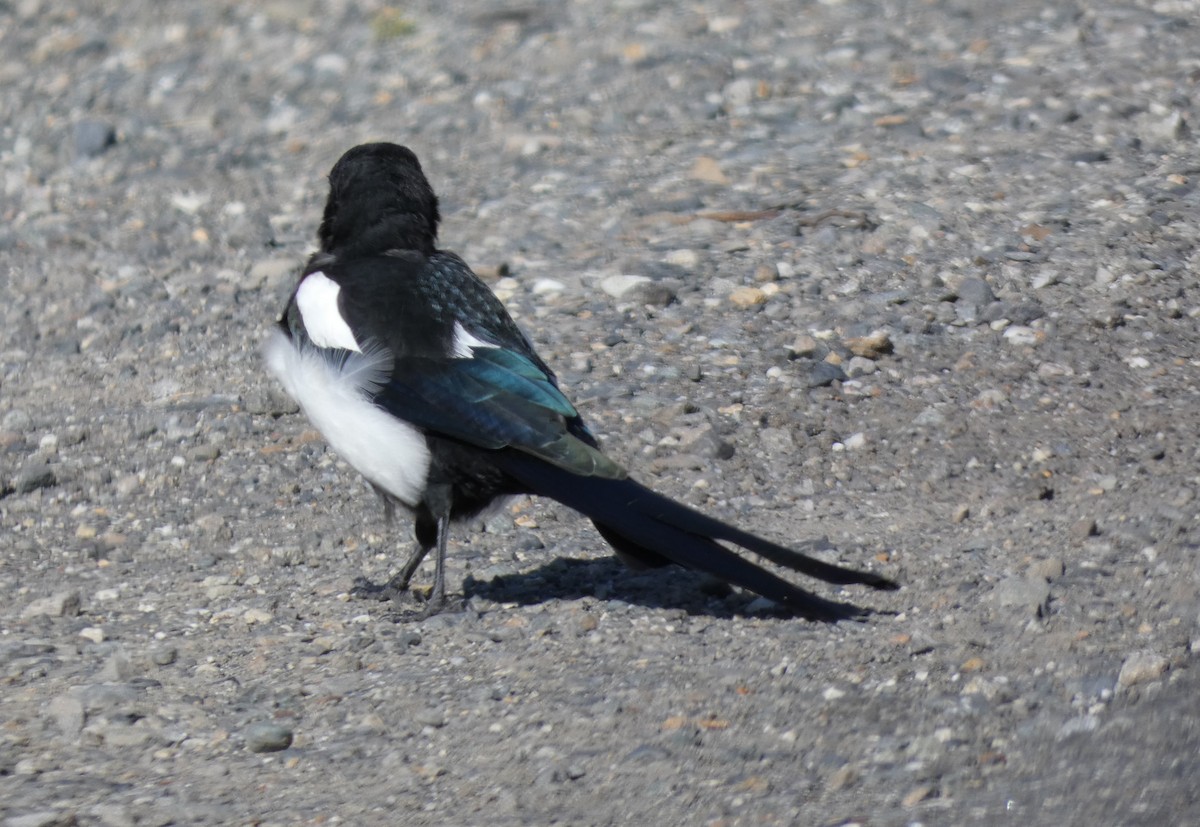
<point>189,202</point>
<point>618,286</point>
<point>331,63</point>
<point>1021,335</point>
<point>683,258</point>
<point>860,366</point>
<point>252,616</point>
<point>544,286</point>
<point>1141,667</point>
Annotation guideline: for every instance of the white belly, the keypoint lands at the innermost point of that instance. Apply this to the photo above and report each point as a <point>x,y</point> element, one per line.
<point>389,453</point>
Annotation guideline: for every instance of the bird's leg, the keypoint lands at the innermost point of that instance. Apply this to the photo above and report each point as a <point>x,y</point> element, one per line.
<point>437,598</point>
<point>398,583</point>
<point>425,534</point>
<point>400,580</point>
<point>437,499</point>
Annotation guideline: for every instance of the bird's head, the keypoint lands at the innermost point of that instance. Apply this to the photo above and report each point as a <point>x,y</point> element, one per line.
<point>379,199</point>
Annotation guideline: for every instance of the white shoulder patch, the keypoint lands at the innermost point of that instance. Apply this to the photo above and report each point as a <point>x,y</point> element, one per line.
<point>317,299</point>
<point>464,344</point>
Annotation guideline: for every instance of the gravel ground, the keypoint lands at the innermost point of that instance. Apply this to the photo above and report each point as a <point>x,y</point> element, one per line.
<point>917,277</point>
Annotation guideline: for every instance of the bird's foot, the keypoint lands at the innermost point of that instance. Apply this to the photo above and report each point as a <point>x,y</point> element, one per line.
<point>417,603</point>
<point>444,606</point>
<point>393,590</point>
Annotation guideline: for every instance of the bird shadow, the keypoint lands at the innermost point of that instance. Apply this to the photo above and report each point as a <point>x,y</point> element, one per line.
<point>609,580</point>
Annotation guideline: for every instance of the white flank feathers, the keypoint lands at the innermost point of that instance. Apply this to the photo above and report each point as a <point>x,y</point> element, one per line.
<point>331,388</point>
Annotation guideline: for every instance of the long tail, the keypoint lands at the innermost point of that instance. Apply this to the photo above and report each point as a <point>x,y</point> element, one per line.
<point>651,530</point>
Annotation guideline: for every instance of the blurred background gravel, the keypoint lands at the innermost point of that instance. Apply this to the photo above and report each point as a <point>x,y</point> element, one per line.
<point>916,277</point>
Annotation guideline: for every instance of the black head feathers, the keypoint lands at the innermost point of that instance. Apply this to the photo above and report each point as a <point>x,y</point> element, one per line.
<point>379,200</point>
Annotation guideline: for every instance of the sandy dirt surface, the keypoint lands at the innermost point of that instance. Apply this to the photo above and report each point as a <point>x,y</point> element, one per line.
<point>914,277</point>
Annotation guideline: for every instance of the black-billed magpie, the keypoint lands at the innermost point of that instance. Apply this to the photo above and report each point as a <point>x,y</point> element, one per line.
<point>417,376</point>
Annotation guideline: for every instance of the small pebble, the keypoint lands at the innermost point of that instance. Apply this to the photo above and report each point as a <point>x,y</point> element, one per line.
<point>59,604</point>
<point>252,616</point>
<point>1025,592</point>
<point>164,655</point>
<point>41,818</point>
<point>1021,336</point>
<point>543,287</point>
<point>745,297</point>
<point>204,453</point>
<point>93,633</point>
<point>39,475</point>
<point>1051,568</point>
<point>824,374</point>
<point>1043,278</point>
<point>860,366</point>
<point>1080,725</point>
<point>803,347</point>
<point>929,418</point>
<point>1141,667</point>
<point>430,717</point>
<point>915,796</point>
<point>871,346</point>
<point>93,138</point>
<point>688,259</point>
<point>1083,528</point>
<point>68,714</point>
<point>841,779</point>
<point>266,736</point>
<point>708,170</point>
<point>976,292</point>
<point>855,442</point>
<point>17,421</point>
<point>127,484</point>
<point>639,289</point>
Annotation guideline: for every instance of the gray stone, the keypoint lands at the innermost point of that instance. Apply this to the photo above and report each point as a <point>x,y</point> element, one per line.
<point>860,366</point>
<point>639,289</point>
<point>68,713</point>
<point>17,420</point>
<point>42,818</point>
<point>93,138</point>
<point>59,604</point>
<point>1082,725</point>
<point>824,374</point>
<point>35,476</point>
<point>1051,569</point>
<point>164,655</point>
<point>931,417</point>
<point>266,736</point>
<point>115,815</point>
<point>1025,592</point>
<point>975,292</point>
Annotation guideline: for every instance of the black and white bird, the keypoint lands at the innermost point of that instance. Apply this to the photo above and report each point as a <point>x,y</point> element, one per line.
<point>416,376</point>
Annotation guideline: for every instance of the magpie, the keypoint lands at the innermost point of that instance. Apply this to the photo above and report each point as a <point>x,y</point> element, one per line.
<point>417,376</point>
